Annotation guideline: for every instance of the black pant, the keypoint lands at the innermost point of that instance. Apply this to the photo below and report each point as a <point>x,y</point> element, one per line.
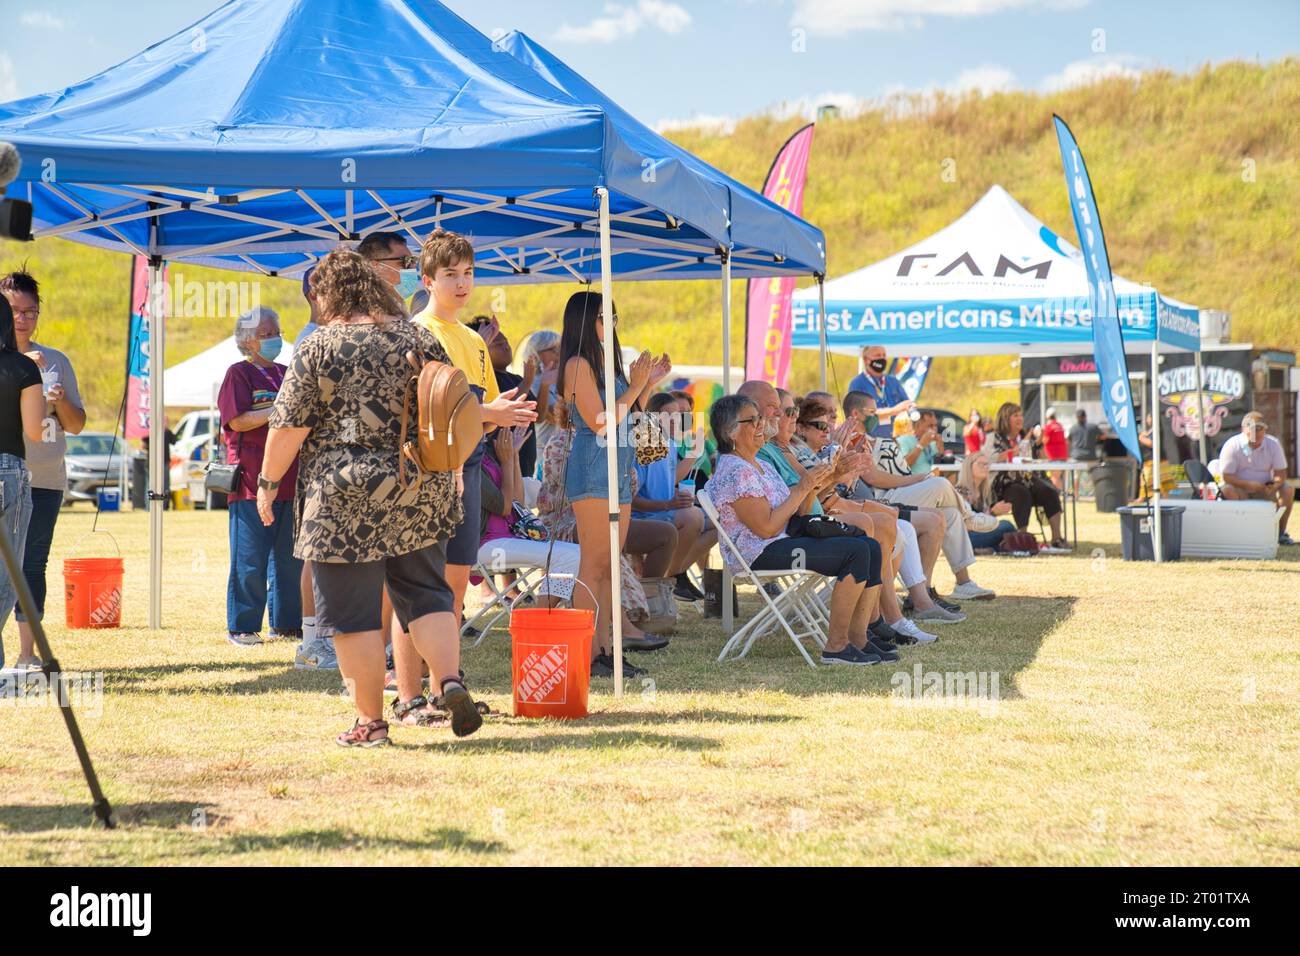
<point>1024,495</point>
<point>855,559</point>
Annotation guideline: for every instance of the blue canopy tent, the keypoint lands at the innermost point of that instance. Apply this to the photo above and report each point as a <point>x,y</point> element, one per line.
<point>272,130</point>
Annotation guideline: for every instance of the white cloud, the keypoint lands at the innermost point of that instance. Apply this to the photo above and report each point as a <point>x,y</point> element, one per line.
<point>837,17</point>
<point>8,82</point>
<point>1093,70</point>
<point>620,21</point>
<point>985,79</point>
<point>41,20</point>
<point>714,123</point>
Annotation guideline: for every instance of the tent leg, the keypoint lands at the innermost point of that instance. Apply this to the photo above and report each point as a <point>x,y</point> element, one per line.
<point>821,325</point>
<point>611,444</point>
<point>1157,538</point>
<point>1200,406</point>
<point>158,462</point>
<point>728,617</point>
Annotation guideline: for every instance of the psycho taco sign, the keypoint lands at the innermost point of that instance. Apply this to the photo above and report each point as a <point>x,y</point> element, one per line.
<point>1178,398</point>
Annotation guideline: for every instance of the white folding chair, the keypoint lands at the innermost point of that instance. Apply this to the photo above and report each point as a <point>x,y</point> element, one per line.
<point>527,581</point>
<point>794,604</point>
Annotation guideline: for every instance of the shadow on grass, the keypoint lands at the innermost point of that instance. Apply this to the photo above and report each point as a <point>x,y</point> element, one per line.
<point>582,738</point>
<point>168,814</point>
<point>443,838</point>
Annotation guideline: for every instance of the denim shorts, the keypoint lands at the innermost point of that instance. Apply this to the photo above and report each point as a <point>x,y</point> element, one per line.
<point>586,470</point>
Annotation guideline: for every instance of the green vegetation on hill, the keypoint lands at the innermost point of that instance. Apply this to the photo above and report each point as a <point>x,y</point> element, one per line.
<point>1197,176</point>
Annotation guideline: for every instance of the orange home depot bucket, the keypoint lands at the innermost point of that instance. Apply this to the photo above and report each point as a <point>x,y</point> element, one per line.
<point>551,655</point>
<point>94,591</point>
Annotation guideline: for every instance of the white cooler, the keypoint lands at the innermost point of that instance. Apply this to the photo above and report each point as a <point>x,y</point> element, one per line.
<point>1229,529</point>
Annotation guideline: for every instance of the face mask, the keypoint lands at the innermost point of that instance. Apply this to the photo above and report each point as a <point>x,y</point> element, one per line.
<point>408,283</point>
<point>870,423</point>
<point>878,365</point>
<point>269,349</point>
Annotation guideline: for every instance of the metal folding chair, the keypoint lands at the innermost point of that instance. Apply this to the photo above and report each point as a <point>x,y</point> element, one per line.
<point>527,581</point>
<point>796,602</point>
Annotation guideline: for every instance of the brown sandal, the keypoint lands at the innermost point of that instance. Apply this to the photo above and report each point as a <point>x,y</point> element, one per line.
<point>418,712</point>
<point>373,734</point>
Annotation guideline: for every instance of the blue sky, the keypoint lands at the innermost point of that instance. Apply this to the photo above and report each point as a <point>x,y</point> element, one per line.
<point>667,60</point>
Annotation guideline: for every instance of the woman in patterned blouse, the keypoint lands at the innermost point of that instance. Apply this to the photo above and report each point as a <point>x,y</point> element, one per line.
<point>359,524</point>
<point>1022,489</point>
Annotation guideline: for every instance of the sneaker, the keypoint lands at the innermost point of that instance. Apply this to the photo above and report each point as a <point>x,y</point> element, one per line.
<point>279,634</point>
<point>882,631</point>
<point>373,734</point>
<point>946,605</point>
<point>390,681</point>
<point>1284,538</point>
<point>631,670</point>
<point>318,656</point>
<point>30,662</point>
<point>685,590</point>
<point>909,633</point>
<point>901,637</point>
<point>938,615</point>
<point>887,652</point>
<point>244,640</point>
<point>970,591</point>
<point>850,655</point>
<point>602,666</point>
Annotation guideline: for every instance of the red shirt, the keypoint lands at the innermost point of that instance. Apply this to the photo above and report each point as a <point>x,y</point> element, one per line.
<point>1054,443</point>
<point>251,388</point>
<point>974,439</point>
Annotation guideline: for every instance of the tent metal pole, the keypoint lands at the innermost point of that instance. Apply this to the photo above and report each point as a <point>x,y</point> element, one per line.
<point>611,444</point>
<point>1200,404</point>
<point>726,322</point>
<point>728,615</point>
<point>158,462</point>
<point>1157,538</point>
<point>821,325</point>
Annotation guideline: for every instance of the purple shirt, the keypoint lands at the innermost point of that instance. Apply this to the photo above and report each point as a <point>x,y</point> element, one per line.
<point>733,479</point>
<point>1252,464</point>
<point>251,388</point>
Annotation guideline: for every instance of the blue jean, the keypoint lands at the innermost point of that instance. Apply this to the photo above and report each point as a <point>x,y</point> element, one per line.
<point>990,539</point>
<point>46,503</point>
<point>15,512</point>
<point>261,555</point>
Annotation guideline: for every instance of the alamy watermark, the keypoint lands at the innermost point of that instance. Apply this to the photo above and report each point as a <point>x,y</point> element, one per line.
<point>977,690</point>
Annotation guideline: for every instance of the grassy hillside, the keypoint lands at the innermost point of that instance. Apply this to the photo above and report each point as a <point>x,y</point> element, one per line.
<point>1197,175</point>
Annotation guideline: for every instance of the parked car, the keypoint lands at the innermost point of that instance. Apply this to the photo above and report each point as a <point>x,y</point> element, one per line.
<point>194,433</point>
<point>94,461</point>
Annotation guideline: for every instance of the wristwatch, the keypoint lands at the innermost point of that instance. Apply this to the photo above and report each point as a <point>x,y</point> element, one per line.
<point>267,483</point>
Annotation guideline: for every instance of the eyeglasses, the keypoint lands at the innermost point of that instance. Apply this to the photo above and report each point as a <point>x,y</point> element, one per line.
<point>408,262</point>
<point>31,315</point>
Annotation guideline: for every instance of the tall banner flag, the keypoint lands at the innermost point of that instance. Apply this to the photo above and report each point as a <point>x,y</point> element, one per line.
<point>767,301</point>
<point>1107,338</point>
<point>911,373</point>
<point>138,404</point>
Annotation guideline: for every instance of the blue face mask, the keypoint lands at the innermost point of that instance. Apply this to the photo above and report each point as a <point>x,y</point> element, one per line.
<point>269,349</point>
<point>408,283</point>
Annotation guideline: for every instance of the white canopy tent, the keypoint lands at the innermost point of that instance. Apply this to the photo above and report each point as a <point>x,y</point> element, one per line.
<point>995,281</point>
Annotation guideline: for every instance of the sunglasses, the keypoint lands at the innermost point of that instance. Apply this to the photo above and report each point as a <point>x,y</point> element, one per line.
<point>790,412</point>
<point>820,426</point>
<point>749,421</point>
<point>408,262</point>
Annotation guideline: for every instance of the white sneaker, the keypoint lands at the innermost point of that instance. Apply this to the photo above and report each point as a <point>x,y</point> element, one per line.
<point>970,591</point>
<point>904,626</point>
<point>318,656</point>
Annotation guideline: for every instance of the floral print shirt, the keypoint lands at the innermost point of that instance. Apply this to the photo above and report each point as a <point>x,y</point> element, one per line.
<point>733,479</point>
<point>348,385</point>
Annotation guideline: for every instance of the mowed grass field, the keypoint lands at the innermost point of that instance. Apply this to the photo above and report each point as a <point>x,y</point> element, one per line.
<point>1145,715</point>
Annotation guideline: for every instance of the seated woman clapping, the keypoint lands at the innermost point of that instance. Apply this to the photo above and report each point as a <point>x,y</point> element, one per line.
<point>1023,490</point>
<point>754,508</point>
<point>975,486</point>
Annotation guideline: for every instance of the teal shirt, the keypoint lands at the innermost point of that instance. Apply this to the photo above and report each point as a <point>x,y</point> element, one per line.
<point>924,461</point>
<point>774,457</point>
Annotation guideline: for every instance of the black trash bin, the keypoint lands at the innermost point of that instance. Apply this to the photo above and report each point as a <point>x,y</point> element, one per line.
<point>1135,532</point>
<point>140,481</point>
<point>1112,480</point>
